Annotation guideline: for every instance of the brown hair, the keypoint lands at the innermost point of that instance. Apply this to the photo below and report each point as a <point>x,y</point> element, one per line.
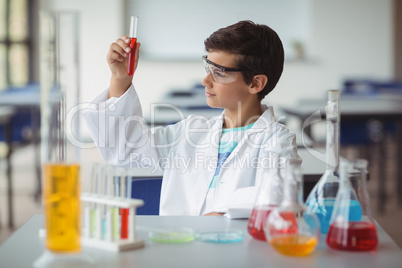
<point>258,47</point>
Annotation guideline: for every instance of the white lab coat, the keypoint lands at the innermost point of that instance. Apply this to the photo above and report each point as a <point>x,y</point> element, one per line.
<point>187,153</point>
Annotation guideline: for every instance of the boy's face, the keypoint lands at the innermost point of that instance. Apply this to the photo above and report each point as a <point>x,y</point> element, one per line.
<point>228,95</point>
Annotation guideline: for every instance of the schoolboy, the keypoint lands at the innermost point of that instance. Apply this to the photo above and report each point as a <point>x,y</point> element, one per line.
<point>223,159</point>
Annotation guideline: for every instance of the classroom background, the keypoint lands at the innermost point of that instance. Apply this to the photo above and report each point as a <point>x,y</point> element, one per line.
<point>345,44</point>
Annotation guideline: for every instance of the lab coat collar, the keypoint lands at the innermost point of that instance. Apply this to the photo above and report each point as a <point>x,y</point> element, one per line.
<point>266,119</point>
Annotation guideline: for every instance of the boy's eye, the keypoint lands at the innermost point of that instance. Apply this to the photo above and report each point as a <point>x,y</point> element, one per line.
<point>220,73</point>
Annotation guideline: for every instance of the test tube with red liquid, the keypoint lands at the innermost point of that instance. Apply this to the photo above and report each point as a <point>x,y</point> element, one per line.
<point>124,212</point>
<point>133,46</point>
<point>121,181</point>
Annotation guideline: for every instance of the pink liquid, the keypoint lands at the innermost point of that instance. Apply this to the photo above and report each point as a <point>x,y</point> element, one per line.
<point>257,222</point>
<point>356,236</point>
<point>131,57</point>
<point>124,223</point>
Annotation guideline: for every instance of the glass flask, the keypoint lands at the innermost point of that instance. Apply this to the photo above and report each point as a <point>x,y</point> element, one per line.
<point>269,195</point>
<point>322,198</point>
<point>352,227</point>
<point>292,228</point>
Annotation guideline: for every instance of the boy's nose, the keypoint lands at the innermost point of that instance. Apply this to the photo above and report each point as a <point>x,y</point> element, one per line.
<point>207,81</point>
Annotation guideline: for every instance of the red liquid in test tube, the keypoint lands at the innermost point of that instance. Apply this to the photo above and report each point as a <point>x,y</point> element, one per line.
<point>133,46</point>
<point>124,212</point>
<point>131,57</point>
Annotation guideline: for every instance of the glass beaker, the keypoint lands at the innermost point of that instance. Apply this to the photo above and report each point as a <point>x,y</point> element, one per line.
<point>269,195</point>
<point>292,228</point>
<point>322,198</point>
<point>352,226</point>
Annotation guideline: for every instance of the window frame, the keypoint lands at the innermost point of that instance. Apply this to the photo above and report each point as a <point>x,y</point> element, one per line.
<point>29,42</point>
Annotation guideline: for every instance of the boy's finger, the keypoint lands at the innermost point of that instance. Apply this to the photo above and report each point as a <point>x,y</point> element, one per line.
<point>119,49</point>
<point>114,56</point>
<point>124,45</point>
<point>125,38</point>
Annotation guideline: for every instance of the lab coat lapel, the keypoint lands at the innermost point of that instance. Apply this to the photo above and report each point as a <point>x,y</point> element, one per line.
<point>261,124</point>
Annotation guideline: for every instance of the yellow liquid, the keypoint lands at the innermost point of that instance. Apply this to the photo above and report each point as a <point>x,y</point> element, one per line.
<point>62,207</point>
<point>294,245</point>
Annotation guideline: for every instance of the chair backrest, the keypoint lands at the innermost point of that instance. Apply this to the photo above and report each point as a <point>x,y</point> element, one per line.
<point>149,190</point>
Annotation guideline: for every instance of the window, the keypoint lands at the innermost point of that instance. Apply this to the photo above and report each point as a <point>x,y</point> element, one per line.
<point>16,46</point>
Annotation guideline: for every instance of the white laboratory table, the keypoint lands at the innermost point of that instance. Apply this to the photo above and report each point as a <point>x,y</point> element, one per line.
<point>25,246</point>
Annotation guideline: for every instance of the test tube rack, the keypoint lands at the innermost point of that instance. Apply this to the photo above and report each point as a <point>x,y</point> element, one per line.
<point>108,241</point>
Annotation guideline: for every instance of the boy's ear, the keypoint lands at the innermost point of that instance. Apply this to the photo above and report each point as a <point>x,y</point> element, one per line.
<point>258,83</point>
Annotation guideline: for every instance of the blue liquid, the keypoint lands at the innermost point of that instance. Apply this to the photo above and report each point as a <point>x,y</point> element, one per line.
<point>324,212</point>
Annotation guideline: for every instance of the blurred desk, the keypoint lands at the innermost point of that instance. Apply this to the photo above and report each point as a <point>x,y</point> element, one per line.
<point>6,114</point>
<point>25,246</point>
<point>354,109</point>
<point>27,98</point>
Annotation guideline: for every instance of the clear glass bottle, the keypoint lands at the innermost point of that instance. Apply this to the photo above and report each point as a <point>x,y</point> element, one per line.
<point>322,198</point>
<point>269,196</point>
<point>60,158</point>
<point>292,228</point>
<point>352,226</point>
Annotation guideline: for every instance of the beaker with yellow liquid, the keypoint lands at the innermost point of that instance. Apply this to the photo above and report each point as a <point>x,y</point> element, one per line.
<point>62,207</point>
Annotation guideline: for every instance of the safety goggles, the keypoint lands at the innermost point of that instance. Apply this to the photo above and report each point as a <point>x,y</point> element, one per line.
<point>221,74</point>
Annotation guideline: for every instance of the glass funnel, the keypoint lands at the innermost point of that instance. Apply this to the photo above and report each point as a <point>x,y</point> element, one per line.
<point>292,228</point>
<point>269,195</point>
<point>352,226</point>
<point>322,198</point>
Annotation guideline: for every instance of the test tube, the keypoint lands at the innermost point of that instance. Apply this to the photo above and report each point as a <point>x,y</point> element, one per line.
<point>133,45</point>
<point>115,210</point>
<point>95,217</point>
<point>124,212</point>
<point>132,210</point>
<point>110,226</point>
<point>104,190</point>
<point>92,220</point>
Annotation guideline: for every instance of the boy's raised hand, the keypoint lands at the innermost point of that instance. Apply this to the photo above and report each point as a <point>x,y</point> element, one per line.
<point>117,61</point>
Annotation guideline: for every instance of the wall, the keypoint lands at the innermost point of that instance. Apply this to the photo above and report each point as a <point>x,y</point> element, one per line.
<point>176,29</point>
<point>350,38</point>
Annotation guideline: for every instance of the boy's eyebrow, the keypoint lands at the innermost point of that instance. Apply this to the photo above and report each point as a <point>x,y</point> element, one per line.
<point>222,68</point>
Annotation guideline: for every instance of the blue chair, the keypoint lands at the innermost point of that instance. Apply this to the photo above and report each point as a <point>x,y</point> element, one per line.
<point>369,135</point>
<point>149,190</point>
<point>368,131</point>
